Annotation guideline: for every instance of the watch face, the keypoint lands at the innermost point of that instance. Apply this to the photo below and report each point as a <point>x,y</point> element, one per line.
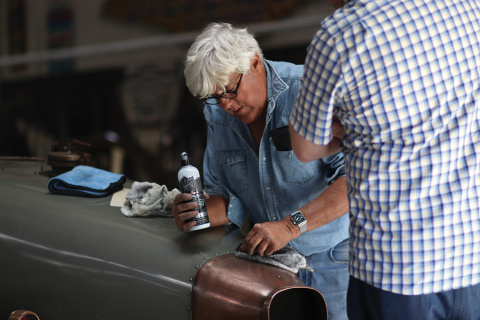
<point>297,218</point>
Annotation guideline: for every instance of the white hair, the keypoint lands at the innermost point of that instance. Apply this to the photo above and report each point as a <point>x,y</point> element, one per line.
<point>218,52</point>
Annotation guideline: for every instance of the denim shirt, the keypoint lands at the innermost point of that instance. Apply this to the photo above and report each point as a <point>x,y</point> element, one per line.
<point>272,184</point>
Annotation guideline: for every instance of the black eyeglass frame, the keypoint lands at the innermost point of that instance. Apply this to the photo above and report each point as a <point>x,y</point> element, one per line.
<point>226,95</point>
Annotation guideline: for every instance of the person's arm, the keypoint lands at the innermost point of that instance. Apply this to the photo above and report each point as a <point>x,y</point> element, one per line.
<point>266,238</point>
<point>307,151</point>
<point>216,205</point>
<point>216,208</point>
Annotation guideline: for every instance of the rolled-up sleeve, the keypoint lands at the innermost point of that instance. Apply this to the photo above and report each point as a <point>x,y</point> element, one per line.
<point>214,181</point>
<point>336,167</point>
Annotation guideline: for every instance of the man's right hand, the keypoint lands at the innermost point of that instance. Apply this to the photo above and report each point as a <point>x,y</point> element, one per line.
<point>184,211</point>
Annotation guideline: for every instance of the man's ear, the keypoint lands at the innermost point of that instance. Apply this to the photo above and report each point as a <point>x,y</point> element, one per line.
<point>256,62</point>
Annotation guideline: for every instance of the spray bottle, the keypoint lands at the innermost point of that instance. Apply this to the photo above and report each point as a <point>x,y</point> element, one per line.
<point>190,182</point>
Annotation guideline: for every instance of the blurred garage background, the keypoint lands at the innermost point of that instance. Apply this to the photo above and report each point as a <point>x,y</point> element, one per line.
<point>109,73</point>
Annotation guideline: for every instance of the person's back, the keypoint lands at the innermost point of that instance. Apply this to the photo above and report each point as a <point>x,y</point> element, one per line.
<point>422,180</point>
<point>403,77</point>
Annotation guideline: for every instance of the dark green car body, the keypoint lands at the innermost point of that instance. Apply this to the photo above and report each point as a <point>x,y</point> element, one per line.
<point>67,257</point>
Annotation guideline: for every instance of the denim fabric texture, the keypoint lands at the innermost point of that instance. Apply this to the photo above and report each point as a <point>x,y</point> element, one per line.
<point>332,280</point>
<point>273,184</point>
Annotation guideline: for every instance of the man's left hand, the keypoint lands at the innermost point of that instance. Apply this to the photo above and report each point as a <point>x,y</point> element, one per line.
<point>268,237</point>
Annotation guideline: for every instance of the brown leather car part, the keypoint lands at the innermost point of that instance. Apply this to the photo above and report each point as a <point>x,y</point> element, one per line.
<point>230,288</point>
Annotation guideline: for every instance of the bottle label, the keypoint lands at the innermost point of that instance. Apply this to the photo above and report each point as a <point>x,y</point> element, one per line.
<point>194,187</point>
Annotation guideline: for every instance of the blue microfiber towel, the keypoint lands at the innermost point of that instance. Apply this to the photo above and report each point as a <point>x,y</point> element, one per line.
<point>85,181</point>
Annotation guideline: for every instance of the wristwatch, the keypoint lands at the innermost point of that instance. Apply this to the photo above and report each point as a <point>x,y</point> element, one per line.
<point>299,220</point>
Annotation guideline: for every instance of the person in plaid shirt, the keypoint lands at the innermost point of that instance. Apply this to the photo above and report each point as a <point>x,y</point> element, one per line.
<point>395,85</point>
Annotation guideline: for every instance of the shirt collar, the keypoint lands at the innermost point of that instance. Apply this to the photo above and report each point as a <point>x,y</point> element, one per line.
<point>275,85</point>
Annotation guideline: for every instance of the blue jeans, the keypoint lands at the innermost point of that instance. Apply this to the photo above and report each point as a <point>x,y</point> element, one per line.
<point>330,278</point>
<point>366,302</point>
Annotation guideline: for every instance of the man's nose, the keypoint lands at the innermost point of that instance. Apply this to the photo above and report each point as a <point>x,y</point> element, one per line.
<point>226,104</point>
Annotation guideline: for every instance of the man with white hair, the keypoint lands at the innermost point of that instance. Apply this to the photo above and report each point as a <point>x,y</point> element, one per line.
<point>250,169</point>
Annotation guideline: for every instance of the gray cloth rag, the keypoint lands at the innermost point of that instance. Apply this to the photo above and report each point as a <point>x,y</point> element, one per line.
<point>149,199</point>
<point>287,258</point>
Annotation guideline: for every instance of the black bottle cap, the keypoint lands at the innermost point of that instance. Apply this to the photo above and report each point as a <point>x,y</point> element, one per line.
<point>185,160</point>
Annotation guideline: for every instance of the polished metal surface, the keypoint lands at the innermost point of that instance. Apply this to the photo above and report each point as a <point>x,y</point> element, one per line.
<point>235,289</point>
<point>23,315</point>
<point>66,257</point>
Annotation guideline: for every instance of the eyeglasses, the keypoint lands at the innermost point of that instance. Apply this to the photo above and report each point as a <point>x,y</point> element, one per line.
<point>215,99</point>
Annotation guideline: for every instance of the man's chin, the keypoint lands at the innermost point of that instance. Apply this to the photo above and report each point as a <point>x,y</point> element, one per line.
<point>242,118</point>
<point>245,120</point>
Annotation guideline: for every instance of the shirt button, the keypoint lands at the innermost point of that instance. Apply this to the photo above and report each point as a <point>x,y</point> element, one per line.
<point>357,143</point>
<point>264,158</point>
<point>268,188</point>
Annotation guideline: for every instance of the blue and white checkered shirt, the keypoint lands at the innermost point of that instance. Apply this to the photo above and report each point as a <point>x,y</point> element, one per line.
<point>403,77</point>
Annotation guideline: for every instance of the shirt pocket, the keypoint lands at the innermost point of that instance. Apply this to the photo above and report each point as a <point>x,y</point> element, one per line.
<point>293,170</point>
<point>235,169</point>
<point>339,253</point>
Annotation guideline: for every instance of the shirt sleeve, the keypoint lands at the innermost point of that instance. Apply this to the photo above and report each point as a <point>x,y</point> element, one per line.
<point>335,167</point>
<point>313,110</point>
<point>214,184</point>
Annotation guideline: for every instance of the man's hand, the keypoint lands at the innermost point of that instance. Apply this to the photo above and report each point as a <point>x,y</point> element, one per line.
<point>216,206</point>
<point>184,211</point>
<point>268,237</point>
